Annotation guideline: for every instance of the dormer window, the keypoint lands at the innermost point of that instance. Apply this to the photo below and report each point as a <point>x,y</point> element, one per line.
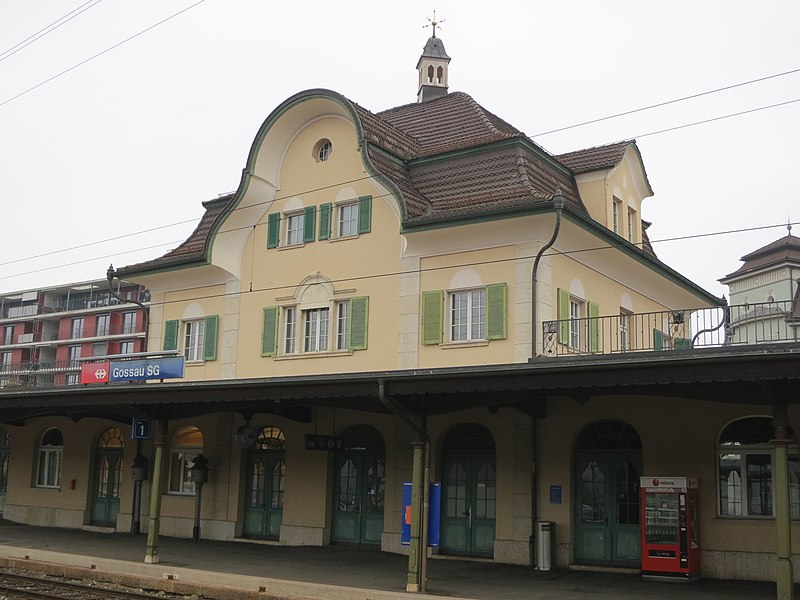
<point>323,150</point>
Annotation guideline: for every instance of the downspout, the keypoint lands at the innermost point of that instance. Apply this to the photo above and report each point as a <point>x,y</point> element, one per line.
<point>558,204</point>
<point>421,430</point>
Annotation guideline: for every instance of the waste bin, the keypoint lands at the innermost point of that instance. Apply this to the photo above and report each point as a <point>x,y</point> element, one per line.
<point>545,540</point>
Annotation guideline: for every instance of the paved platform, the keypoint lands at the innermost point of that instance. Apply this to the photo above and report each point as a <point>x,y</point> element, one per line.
<point>241,570</point>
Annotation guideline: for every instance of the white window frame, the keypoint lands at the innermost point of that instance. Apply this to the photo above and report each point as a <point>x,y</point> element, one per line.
<point>73,354</point>
<point>325,151</point>
<point>290,330</point>
<point>48,465</point>
<point>740,506</point>
<point>103,325</point>
<point>73,378</point>
<point>129,322</point>
<point>347,219</point>
<point>631,224</point>
<point>5,361</point>
<point>182,458</point>
<point>124,343</point>
<point>295,226</point>
<point>8,335</point>
<point>577,312</point>
<point>467,315</point>
<point>342,325</point>
<point>316,326</point>
<point>76,328</point>
<point>624,330</point>
<point>194,339</point>
<point>615,216</point>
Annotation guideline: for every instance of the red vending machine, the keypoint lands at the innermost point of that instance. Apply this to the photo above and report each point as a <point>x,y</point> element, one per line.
<point>670,545</point>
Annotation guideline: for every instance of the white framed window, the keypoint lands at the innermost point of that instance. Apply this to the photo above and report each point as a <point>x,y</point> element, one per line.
<point>126,347</point>
<point>128,322</point>
<point>48,468</point>
<point>103,325</point>
<point>342,325</point>
<point>74,353</point>
<point>323,150</point>
<point>744,470</point>
<point>73,378</point>
<point>624,329</point>
<point>616,209</point>
<point>186,444</point>
<point>77,328</point>
<point>294,229</point>
<point>468,315</point>
<point>8,335</point>
<point>194,339</point>
<point>576,313</point>
<point>290,330</point>
<point>348,219</point>
<point>631,224</point>
<point>315,330</point>
<point>5,361</point>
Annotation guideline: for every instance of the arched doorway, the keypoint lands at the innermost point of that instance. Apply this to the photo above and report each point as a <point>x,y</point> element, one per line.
<point>107,477</point>
<point>469,491</point>
<point>5,450</point>
<point>359,487</point>
<point>266,471</point>
<point>608,465</point>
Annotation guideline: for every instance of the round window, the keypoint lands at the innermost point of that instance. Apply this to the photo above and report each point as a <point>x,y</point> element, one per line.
<point>323,150</point>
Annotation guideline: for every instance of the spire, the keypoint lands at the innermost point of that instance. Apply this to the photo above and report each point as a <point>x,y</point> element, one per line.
<point>432,66</point>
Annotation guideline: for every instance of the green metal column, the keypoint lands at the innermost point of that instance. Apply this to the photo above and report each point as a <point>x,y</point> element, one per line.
<point>415,548</point>
<point>783,524</point>
<point>160,436</point>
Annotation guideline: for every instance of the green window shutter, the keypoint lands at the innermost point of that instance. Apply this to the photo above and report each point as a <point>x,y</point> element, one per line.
<point>325,211</point>
<point>658,340</point>
<point>365,214</point>
<point>309,223</point>
<point>171,335</point>
<point>210,340</point>
<point>432,313</point>
<point>682,343</point>
<point>359,317</point>
<point>269,332</point>
<point>496,303</point>
<point>563,316</point>
<point>273,229</point>
<point>594,327</point>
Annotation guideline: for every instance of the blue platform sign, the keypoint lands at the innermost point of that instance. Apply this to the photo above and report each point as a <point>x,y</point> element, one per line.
<point>140,429</point>
<point>144,370</point>
<point>434,514</point>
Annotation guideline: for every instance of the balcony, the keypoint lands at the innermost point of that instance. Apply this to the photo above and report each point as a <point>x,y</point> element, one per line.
<point>39,374</point>
<point>738,325</point>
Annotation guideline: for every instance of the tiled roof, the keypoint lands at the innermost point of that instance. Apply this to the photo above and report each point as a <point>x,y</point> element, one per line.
<point>594,159</point>
<point>785,249</point>
<point>193,249</point>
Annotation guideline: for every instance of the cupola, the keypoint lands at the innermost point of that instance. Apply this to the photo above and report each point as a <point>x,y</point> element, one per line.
<point>432,67</point>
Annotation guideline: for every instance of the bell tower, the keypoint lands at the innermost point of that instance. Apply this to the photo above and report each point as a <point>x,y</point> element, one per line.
<point>432,67</point>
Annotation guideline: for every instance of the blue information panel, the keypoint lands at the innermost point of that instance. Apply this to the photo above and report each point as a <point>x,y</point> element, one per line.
<point>142,370</point>
<point>434,514</point>
<point>140,429</point>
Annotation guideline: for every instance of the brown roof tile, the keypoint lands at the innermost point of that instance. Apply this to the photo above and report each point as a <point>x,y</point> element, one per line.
<point>594,159</point>
<point>785,249</point>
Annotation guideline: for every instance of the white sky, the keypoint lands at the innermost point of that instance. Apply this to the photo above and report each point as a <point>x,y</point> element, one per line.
<point>140,136</point>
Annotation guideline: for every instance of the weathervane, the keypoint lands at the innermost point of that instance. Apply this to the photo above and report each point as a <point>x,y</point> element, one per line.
<point>434,23</point>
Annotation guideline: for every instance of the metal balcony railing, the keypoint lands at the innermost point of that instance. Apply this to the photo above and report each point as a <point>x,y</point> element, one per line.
<point>39,374</point>
<point>746,324</point>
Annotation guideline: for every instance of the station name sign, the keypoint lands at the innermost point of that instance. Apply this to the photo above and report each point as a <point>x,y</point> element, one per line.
<point>132,370</point>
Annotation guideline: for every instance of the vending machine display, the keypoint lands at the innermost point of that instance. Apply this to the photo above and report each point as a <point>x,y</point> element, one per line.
<point>670,546</point>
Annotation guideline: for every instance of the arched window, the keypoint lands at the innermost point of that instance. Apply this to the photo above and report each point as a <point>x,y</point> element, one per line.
<point>186,444</point>
<point>430,74</point>
<point>744,459</point>
<point>439,75</point>
<point>48,471</point>
<point>111,438</point>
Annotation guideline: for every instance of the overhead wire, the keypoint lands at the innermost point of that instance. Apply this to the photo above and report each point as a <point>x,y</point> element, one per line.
<point>48,29</point>
<point>99,54</point>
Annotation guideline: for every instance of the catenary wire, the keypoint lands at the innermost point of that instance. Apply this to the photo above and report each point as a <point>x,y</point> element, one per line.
<point>91,58</point>
<point>48,29</point>
<point>668,102</point>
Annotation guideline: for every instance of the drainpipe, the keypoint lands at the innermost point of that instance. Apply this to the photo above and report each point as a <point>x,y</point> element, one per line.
<point>558,204</point>
<point>420,506</point>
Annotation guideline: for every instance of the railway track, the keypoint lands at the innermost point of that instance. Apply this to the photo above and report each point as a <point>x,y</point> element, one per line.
<point>14,586</point>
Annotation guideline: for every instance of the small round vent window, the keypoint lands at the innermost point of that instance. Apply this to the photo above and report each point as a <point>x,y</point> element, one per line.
<point>323,150</point>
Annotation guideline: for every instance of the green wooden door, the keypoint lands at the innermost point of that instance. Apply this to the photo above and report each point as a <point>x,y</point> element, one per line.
<point>468,503</point>
<point>359,490</point>
<point>607,508</point>
<point>263,513</point>
<point>107,480</point>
